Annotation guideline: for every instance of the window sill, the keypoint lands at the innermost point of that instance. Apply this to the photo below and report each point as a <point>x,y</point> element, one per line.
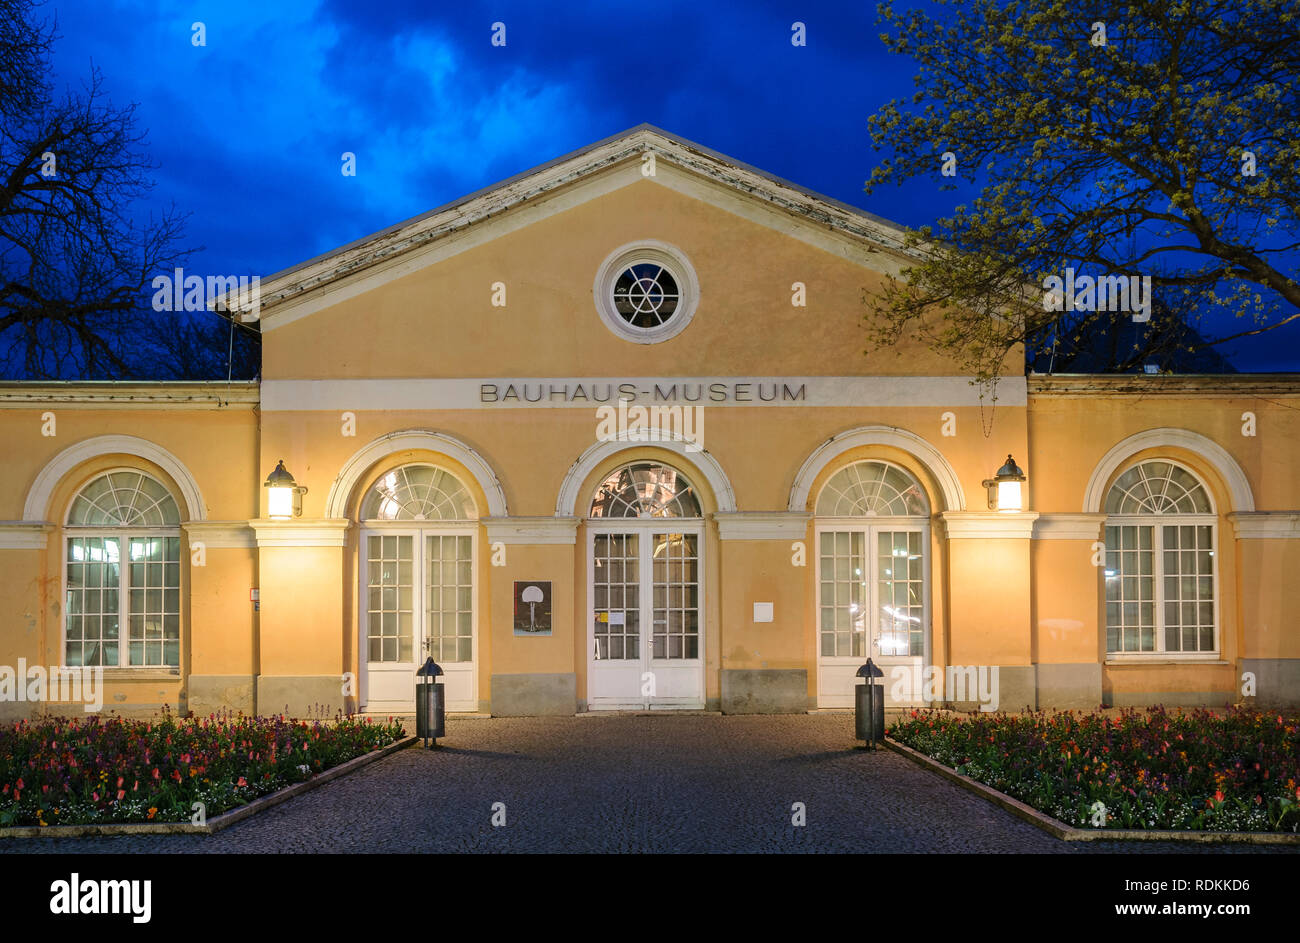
<point>142,674</point>
<point>1143,661</point>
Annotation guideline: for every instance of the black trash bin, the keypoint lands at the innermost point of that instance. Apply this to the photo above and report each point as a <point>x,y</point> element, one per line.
<point>430,703</point>
<point>869,712</point>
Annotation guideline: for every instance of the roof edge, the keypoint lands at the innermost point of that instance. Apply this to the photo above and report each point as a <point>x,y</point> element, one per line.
<point>410,234</point>
<point>170,394</point>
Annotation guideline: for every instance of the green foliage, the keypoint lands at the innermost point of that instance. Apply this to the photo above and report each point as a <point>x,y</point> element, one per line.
<point>1119,159</point>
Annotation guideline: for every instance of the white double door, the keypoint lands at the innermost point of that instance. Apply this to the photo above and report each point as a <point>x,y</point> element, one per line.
<point>418,598</point>
<point>645,636</point>
<point>873,590</point>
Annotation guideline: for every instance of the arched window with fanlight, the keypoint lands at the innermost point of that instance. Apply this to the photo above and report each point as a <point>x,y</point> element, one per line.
<point>418,534</point>
<point>872,574</point>
<point>1160,573</point>
<point>646,646</point>
<point>645,489</point>
<point>122,595</point>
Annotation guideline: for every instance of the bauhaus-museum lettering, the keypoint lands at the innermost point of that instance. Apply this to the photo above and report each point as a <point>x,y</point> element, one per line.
<point>573,437</point>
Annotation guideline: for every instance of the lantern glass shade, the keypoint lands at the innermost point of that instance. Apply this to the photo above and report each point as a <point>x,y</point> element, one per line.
<point>1009,496</point>
<point>279,501</point>
<point>283,494</point>
<point>1005,493</point>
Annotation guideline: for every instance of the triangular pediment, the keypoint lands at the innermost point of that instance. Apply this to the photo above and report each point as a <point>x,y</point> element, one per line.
<point>643,153</point>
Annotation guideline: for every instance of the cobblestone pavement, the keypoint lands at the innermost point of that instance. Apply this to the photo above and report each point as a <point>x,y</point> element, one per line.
<point>631,783</point>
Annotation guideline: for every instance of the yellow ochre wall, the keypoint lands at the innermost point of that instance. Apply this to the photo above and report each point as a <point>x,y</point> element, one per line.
<point>1016,591</point>
<point>217,446</point>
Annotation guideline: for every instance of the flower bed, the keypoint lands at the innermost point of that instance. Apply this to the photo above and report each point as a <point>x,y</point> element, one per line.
<point>79,772</point>
<point>1193,770</point>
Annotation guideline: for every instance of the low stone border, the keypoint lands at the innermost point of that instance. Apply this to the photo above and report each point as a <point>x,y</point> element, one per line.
<point>1068,832</point>
<point>214,825</point>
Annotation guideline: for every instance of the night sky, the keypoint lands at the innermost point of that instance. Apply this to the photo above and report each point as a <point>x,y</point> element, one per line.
<point>248,131</point>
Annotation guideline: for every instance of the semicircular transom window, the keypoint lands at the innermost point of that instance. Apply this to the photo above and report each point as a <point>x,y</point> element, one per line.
<point>124,499</point>
<point>1158,488</point>
<point>646,489</point>
<point>872,489</point>
<point>418,493</point>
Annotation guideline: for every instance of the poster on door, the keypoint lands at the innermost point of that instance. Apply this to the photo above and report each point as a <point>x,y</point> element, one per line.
<point>533,607</point>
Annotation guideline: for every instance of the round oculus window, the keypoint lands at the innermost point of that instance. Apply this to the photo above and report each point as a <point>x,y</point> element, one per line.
<point>646,292</point>
<point>645,295</point>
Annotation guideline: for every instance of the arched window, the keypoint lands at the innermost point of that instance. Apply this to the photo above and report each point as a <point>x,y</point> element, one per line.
<point>645,534</point>
<point>1160,546</point>
<point>418,527</point>
<point>645,489</point>
<point>123,570</point>
<point>871,488</point>
<point>872,534</point>
<point>418,493</point>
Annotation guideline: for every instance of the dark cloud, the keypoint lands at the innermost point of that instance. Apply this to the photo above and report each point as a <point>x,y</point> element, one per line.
<point>249,130</point>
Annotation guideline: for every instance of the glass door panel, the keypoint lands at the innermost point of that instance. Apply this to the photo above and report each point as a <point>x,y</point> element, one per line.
<point>390,609</point>
<point>676,628</point>
<point>643,577</point>
<point>449,602</point>
<point>390,606</point>
<point>900,593</point>
<point>616,585</point>
<point>842,610</point>
<point>871,602</point>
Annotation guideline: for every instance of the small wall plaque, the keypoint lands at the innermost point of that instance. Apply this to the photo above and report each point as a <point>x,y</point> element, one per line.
<point>532,607</point>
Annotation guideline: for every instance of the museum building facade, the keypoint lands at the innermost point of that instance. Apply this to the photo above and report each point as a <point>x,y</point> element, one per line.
<point>604,436</point>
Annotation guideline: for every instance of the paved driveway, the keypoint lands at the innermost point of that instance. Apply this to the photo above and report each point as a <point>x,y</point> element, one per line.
<point>620,783</point>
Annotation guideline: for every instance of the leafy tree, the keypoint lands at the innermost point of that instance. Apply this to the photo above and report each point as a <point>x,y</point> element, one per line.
<point>1152,138</point>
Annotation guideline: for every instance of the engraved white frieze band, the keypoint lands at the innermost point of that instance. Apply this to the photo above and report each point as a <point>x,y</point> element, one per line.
<point>585,392</point>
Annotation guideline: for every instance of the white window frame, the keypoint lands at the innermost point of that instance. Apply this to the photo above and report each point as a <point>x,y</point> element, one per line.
<point>653,252</point>
<point>644,528</point>
<point>123,535</point>
<point>1157,522</point>
<point>870,526</point>
<point>420,531</point>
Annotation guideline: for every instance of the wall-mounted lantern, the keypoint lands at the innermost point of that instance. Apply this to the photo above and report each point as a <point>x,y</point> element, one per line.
<point>1004,487</point>
<point>284,495</point>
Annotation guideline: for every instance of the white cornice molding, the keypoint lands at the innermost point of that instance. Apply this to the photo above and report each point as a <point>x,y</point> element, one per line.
<point>1229,471</point>
<point>763,525</point>
<point>1266,525</point>
<point>24,535</point>
<point>38,498</point>
<point>1069,526</point>
<point>301,533</point>
<point>408,440</point>
<point>117,395</point>
<point>713,392</point>
<point>989,525</point>
<point>925,453</point>
<point>532,530</point>
<point>1137,385</point>
<point>221,535</point>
